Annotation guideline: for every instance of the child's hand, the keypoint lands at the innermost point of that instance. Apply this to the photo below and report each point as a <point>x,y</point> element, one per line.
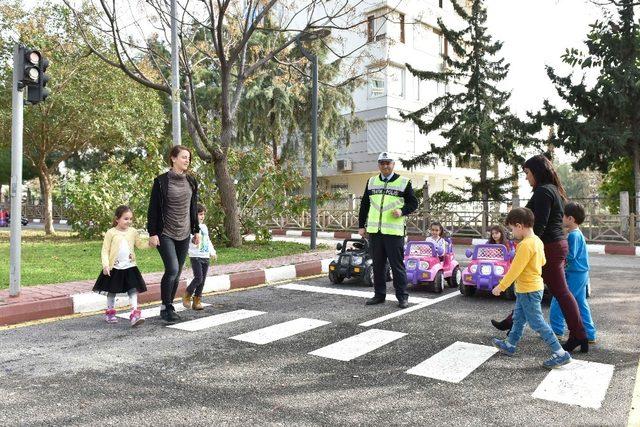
<point>105,271</point>
<point>154,241</point>
<point>196,239</point>
<point>397,213</point>
<point>214,257</point>
<point>496,291</point>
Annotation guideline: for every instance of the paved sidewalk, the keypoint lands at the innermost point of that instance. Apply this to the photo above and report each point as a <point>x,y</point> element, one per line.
<point>44,301</point>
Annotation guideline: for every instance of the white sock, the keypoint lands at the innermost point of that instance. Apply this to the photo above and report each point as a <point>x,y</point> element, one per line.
<point>111,301</point>
<point>133,299</point>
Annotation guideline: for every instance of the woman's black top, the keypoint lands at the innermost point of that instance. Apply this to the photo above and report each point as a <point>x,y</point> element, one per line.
<point>548,209</point>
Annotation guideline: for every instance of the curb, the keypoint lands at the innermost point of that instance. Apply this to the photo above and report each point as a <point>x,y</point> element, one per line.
<point>88,302</point>
<point>607,249</point>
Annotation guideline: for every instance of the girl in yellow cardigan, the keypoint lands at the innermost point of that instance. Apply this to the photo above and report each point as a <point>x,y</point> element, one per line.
<point>119,271</point>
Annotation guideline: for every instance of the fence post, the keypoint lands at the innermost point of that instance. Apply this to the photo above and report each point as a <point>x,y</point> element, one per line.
<point>352,201</point>
<point>632,229</point>
<point>426,206</point>
<point>624,211</point>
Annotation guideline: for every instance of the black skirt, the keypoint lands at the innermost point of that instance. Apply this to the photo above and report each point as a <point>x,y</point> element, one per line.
<point>120,281</point>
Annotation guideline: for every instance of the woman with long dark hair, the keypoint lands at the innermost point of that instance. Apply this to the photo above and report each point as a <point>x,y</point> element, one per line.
<point>547,204</point>
<point>171,219</point>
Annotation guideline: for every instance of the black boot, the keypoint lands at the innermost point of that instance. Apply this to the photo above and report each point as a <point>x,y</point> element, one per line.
<point>504,325</point>
<point>572,343</point>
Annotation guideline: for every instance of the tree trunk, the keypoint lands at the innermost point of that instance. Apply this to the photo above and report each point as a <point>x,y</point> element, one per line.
<point>229,202</point>
<point>515,187</point>
<point>636,176</point>
<point>495,169</point>
<point>485,195</point>
<point>47,187</point>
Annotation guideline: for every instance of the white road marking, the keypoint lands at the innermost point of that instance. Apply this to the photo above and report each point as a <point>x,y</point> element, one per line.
<point>215,320</point>
<point>347,292</point>
<point>280,331</point>
<point>419,306</point>
<point>358,345</point>
<point>454,363</point>
<point>577,383</point>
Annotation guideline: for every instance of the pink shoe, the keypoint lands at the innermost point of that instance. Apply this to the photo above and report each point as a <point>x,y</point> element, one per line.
<point>110,316</point>
<point>136,318</point>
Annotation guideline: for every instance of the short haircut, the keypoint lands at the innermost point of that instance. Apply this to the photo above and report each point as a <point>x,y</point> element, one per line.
<point>522,216</point>
<point>201,208</point>
<point>576,211</point>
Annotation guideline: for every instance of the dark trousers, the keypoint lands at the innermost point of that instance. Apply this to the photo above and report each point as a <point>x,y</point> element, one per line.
<point>383,247</point>
<point>173,254</point>
<point>553,276</point>
<point>200,266</point>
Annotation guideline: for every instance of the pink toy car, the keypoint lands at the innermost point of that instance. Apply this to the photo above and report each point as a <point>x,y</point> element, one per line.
<point>423,263</point>
<point>489,264</point>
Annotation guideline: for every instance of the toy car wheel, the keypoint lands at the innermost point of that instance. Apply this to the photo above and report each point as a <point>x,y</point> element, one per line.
<point>334,278</point>
<point>438,282</point>
<point>368,275</point>
<point>456,278</point>
<point>466,290</point>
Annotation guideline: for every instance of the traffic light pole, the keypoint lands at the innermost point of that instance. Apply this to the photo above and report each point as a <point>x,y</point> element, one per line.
<point>16,178</point>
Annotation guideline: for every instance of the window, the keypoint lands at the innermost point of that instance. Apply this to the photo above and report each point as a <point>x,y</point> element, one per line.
<point>446,47</point>
<point>376,85</point>
<point>416,88</point>
<point>401,28</point>
<point>440,3</point>
<point>371,20</point>
<point>396,81</point>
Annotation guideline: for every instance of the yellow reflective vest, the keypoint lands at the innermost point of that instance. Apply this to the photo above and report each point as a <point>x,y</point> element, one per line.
<point>384,198</point>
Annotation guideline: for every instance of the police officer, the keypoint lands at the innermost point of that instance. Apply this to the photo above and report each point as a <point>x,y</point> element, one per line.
<point>387,199</point>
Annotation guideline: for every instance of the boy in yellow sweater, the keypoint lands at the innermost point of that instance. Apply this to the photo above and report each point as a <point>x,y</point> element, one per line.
<point>526,271</point>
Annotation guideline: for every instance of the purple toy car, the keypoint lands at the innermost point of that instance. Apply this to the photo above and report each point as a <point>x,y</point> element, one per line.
<point>423,263</point>
<point>489,263</point>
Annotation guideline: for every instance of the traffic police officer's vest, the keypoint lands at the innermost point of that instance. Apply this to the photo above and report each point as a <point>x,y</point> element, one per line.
<point>386,196</point>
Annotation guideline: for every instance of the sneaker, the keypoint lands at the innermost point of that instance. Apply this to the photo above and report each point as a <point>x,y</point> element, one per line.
<point>592,340</point>
<point>166,316</point>
<point>136,318</point>
<point>504,346</point>
<point>110,316</point>
<point>173,316</point>
<point>556,361</point>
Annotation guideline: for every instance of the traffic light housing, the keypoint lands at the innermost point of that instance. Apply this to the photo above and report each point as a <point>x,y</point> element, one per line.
<point>32,66</point>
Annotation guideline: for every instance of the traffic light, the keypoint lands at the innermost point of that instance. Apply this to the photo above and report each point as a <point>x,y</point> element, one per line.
<point>33,65</point>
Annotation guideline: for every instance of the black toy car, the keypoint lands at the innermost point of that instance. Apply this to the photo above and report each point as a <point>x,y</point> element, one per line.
<point>353,261</point>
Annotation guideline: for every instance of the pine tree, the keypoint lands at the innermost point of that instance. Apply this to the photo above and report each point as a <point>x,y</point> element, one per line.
<point>602,123</point>
<point>475,121</point>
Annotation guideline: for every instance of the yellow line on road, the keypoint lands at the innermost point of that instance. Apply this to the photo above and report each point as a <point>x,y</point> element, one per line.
<point>634,412</point>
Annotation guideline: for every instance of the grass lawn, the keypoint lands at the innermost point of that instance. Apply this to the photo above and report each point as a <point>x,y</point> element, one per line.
<point>65,257</point>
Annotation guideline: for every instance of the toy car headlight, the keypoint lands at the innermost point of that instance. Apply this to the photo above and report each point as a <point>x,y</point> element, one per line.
<point>411,263</point>
<point>473,268</point>
<point>485,270</point>
<point>356,260</point>
<point>369,262</point>
<point>337,258</point>
<point>499,270</point>
<point>424,265</point>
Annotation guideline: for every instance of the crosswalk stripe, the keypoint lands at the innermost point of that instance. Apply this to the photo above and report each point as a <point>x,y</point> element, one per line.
<point>335,291</point>
<point>280,331</point>
<point>426,303</point>
<point>579,383</point>
<point>215,320</point>
<point>154,311</point>
<point>358,345</point>
<point>454,363</point>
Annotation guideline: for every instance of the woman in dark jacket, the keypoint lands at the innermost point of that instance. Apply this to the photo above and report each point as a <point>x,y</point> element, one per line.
<point>547,204</point>
<point>171,219</point>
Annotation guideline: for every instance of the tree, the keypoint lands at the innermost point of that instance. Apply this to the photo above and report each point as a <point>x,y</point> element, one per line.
<point>28,171</point>
<point>619,178</point>
<point>91,107</point>
<point>602,122</point>
<point>578,184</point>
<point>215,58</point>
<point>476,121</point>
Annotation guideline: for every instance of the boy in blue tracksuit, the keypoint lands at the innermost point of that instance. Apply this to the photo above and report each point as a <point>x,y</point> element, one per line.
<point>576,272</point>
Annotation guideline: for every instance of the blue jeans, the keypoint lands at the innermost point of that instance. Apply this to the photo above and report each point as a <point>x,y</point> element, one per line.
<point>577,282</point>
<point>529,311</point>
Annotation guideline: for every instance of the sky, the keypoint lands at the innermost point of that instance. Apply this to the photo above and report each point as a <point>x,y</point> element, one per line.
<point>536,33</point>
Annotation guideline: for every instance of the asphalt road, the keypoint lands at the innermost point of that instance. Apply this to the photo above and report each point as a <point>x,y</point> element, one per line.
<point>82,371</point>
